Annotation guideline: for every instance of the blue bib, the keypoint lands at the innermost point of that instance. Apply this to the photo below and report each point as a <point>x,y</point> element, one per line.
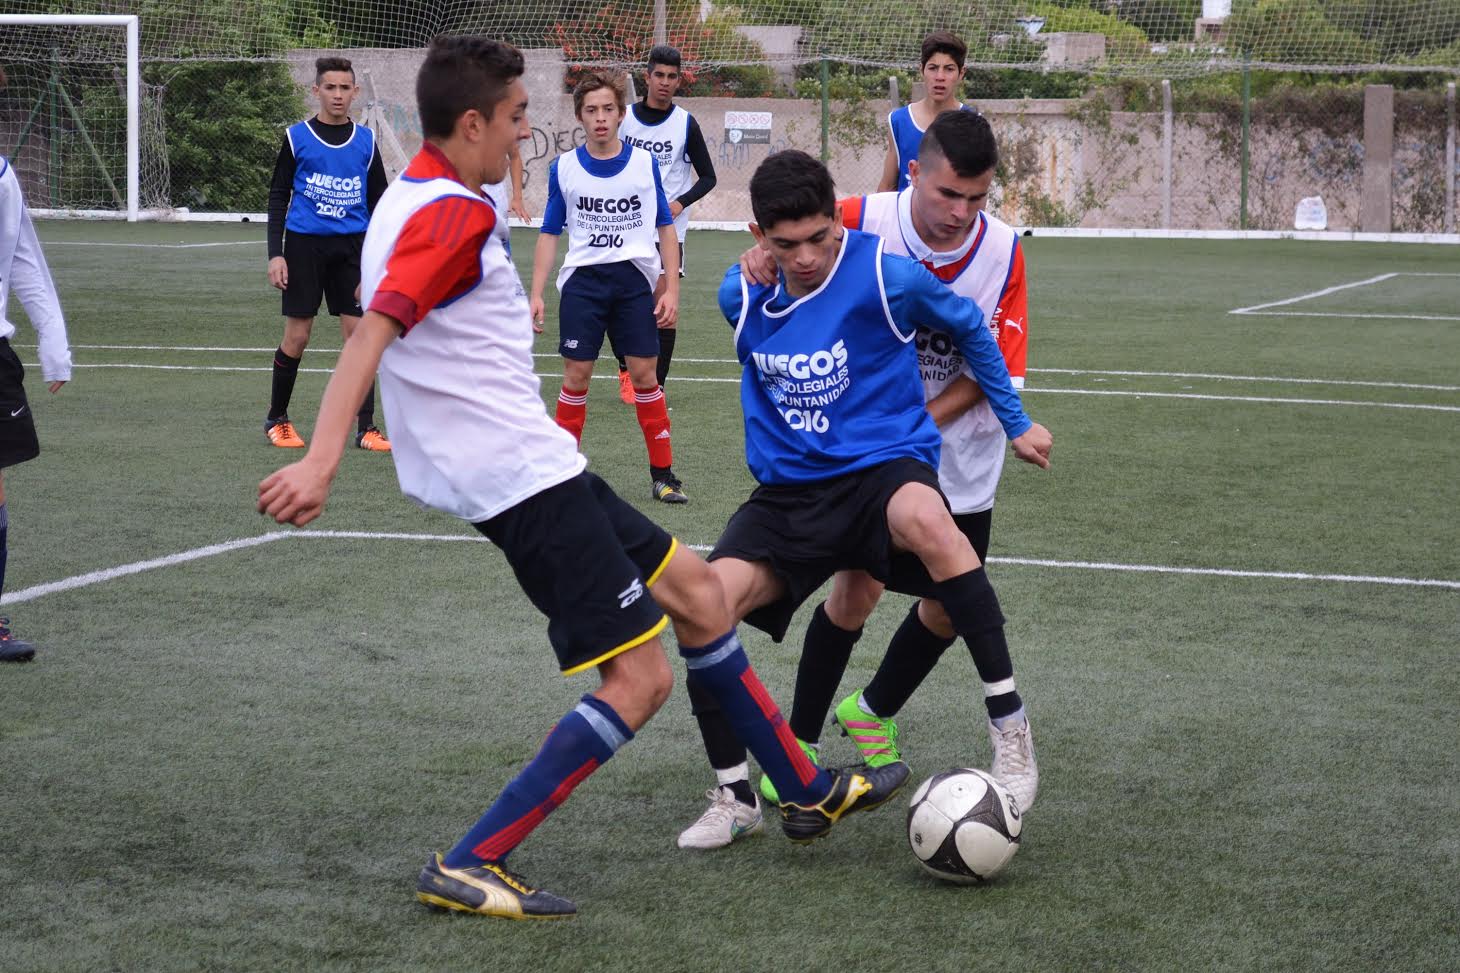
<point>829,384</point>
<point>329,182</point>
<point>908,138</point>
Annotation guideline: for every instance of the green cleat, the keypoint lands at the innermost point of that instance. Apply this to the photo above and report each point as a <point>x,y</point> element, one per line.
<point>852,789</point>
<point>768,790</point>
<point>876,738</point>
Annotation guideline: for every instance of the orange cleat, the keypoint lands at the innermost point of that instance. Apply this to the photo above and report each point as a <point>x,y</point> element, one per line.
<point>372,440</point>
<point>625,388</point>
<point>281,433</point>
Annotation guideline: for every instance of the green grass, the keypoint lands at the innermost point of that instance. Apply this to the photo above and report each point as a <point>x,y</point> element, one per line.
<point>240,762</point>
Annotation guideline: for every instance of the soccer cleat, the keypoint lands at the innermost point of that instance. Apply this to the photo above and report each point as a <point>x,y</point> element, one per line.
<point>723,821</point>
<point>852,789</point>
<point>13,649</point>
<point>768,790</point>
<point>876,738</point>
<point>625,388</point>
<point>281,433</point>
<point>373,440</point>
<point>1014,763</point>
<point>668,489</point>
<point>488,890</point>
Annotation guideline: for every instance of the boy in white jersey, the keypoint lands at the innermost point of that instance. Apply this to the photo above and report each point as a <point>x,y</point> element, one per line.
<point>448,327</point>
<point>23,271</point>
<point>609,196</point>
<point>943,54</point>
<point>939,220</point>
<point>672,135</point>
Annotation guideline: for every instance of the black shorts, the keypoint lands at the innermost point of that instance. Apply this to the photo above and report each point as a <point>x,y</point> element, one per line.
<point>977,527</point>
<point>327,266</point>
<point>18,441</point>
<point>585,559</point>
<point>808,532</point>
<point>607,299</point>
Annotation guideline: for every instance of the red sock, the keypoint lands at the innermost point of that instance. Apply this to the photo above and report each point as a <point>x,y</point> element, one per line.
<point>654,420</point>
<point>573,411</point>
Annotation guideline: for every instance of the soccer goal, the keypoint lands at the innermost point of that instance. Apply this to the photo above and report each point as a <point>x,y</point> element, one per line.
<point>71,114</point>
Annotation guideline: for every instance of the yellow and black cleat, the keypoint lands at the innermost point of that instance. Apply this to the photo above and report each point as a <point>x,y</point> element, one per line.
<point>488,890</point>
<point>852,789</point>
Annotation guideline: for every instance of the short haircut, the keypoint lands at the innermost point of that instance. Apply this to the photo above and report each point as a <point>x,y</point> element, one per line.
<point>963,138</point>
<point>595,81</point>
<point>665,55</point>
<point>791,185</point>
<point>461,73</point>
<point>332,63</point>
<point>944,42</point>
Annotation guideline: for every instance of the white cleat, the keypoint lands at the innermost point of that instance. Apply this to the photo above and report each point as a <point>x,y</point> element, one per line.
<point>1014,763</point>
<point>723,821</point>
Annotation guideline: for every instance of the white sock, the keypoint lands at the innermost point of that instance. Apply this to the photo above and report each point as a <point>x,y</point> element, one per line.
<point>730,775</point>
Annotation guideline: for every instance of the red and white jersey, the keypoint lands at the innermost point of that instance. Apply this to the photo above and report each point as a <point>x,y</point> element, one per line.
<point>468,430</point>
<point>988,270</point>
<point>23,270</point>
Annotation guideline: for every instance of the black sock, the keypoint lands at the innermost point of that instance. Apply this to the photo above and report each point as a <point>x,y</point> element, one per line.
<point>824,657</point>
<point>4,532</point>
<point>722,746</point>
<point>666,353</point>
<point>741,790</point>
<point>366,417</point>
<point>973,607</point>
<point>910,657</point>
<point>286,370</point>
<point>623,366</point>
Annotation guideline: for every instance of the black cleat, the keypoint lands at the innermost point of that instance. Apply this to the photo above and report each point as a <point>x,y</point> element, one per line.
<point>13,649</point>
<point>488,890</point>
<point>668,489</point>
<point>853,789</point>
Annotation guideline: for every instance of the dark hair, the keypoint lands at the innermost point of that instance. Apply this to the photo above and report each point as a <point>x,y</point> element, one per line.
<point>665,55</point>
<point>944,42</point>
<point>461,73</point>
<point>324,64</point>
<point>790,185</point>
<point>594,81</point>
<point>965,139</point>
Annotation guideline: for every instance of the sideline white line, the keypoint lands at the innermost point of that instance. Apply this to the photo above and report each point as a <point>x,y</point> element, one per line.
<point>1121,373</point>
<point>137,567</point>
<point>153,246</point>
<point>1312,294</point>
<point>1275,400</point>
<point>1339,314</point>
<point>1257,308</point>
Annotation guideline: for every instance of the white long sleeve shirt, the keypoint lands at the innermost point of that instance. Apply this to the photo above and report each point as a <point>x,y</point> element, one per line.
<point>23,270</point>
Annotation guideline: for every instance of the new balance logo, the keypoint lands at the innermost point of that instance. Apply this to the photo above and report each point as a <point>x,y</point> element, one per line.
<point>571,343</point>
<point>631,594</point>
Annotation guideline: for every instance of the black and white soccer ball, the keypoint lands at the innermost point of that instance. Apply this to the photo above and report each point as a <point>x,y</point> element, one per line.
<point>963,826</point>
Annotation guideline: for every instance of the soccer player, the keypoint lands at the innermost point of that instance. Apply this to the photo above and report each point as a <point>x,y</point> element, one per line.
<point>943,55</point>
<point>449,329</point>
<point>609,196</point>
<point>940,221</point>
<point>506,195</point>
<point>839,439</point>
<point>673,137</point>
<point>23,270</point>
<point>327,179</point>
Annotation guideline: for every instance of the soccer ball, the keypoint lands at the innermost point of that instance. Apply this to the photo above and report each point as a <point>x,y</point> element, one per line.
<point>963,826</point>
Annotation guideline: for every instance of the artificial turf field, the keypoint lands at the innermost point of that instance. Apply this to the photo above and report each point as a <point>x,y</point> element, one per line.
<point>239,755</point>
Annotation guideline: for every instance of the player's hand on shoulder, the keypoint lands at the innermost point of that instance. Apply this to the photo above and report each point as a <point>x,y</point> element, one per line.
<point>757,266</point>
<point>1034,446</point>
<point>278,272</point>
<point>295,494</point>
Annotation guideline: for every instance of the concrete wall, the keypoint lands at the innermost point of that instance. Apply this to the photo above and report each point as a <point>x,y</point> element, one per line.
<point>1104,172</point>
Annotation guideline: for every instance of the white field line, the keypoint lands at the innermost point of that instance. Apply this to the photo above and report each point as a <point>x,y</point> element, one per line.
<point>1258,308</point>
<point>154,246</point>
<point>1274,400</point>
<point>1345,314</point>
<point>182,557</point>
<point>1119,373</point>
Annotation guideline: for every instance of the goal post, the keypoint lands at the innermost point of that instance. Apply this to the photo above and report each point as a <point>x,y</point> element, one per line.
<point>130,23</point>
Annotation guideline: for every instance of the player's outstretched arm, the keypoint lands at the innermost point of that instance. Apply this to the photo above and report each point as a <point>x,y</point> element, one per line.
<point>296,493</point>
<point>666,309</point>
<point>543,256</point>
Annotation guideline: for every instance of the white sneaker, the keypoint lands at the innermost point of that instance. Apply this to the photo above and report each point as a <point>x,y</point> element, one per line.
<point>723,821</point>
<point>1014,764</point>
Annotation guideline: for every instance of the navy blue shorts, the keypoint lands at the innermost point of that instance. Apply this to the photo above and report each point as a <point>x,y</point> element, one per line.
<point>609,299</point>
